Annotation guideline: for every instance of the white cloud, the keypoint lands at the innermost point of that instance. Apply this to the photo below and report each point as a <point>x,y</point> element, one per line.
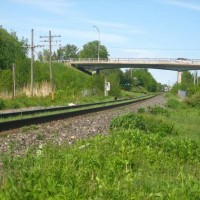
<point>89,35</point>
<point>139,53</point>
<point>57,7</point>
<point>183,4</point>
<point>113,25</point>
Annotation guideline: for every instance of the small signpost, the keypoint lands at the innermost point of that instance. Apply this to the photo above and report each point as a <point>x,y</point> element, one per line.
<point>107,88</point>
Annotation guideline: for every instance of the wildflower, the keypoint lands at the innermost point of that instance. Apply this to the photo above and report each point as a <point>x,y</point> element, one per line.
<point>39,151</point>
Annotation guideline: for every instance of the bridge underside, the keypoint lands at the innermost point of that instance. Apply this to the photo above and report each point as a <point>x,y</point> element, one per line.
<point>102,66</point>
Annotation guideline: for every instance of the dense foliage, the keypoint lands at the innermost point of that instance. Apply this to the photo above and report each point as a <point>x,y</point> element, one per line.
<point>139,78</point>
<point>12,50</point>
<point>67,52</point>
<point>187,84</point>
<point>90,50</point>
<point>193,89</point>
<point>135,161</point>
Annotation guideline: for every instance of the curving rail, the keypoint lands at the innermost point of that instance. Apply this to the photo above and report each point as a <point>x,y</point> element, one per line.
<point>87,108</point>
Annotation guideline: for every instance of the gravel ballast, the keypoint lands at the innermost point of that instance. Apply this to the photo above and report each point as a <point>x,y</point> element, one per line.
<point>67,130</point>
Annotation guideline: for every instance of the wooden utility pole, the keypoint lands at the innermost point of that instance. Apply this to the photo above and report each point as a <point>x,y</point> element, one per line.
<point>32,47</point>
<point>50,60</point>
<point>32,61</point>
<point>50,67</point>
<point>14,80</point>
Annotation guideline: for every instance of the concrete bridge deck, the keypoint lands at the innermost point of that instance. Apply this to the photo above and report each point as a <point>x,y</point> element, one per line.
<point>152,63</point>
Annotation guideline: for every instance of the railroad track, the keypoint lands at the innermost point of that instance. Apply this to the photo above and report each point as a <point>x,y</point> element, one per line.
<point>57,113</point>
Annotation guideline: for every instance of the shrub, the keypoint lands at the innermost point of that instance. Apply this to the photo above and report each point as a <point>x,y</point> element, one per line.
<point>156,110</point>
<point>155,125</point>
<point>141,110</point>
<point>128,121</point>
<point>173,103</point>
<point>145,123</point>
<point>194,101</point>
<point>2,104</point>
<point>13,104</point>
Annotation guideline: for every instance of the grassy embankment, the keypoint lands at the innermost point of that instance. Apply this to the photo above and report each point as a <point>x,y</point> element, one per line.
<point>154,154</point>
<point>71,86</point>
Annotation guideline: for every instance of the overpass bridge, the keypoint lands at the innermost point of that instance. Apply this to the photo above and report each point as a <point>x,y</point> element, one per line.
<point>173,64</point>
<point>152,63</point>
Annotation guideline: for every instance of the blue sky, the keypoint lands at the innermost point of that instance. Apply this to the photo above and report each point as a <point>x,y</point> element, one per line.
<point>128,28</point>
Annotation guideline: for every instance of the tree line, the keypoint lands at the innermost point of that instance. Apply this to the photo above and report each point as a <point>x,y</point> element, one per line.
<point>71,51</point>
<point>15,50</point>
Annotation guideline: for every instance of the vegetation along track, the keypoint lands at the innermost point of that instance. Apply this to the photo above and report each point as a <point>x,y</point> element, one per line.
<point>64,112</point>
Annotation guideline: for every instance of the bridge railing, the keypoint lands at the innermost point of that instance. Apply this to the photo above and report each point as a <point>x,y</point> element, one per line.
<point>134,60</point>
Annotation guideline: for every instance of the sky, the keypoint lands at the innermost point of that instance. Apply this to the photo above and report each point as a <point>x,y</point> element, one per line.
<point>128,28</point>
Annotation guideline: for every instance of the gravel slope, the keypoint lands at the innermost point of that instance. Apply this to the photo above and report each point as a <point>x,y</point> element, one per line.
<point>68,130</point>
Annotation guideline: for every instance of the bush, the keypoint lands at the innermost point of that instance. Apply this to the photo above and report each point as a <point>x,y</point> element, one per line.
<point>13,104</point>
<point>2,104</point>
<point>155,125</point>
<point>173,103</point>
<point>145,123</point>
<point>141,110</point>
<point>158,110</point>
<point>6,83</point>
<point>194,101</point>
<point>128,121</point>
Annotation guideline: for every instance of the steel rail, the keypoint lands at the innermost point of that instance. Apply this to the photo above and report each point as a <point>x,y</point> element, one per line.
<point>60,108</point>
<point>13,124</point>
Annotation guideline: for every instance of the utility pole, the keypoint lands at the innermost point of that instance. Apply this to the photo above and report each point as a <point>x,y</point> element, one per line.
<point>98,47</point>
<point>50,67</point>
<point>50,61</point>
<point>32,60</point>
<point>32,47</point>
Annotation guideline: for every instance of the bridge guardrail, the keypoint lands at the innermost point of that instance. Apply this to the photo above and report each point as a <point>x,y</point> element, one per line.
<point>134,60</point>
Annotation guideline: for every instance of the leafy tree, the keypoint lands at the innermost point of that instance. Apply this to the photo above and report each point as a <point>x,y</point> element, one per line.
<point>126,81</point>
<point>43,56</point>
<point>22,71</point>
<point>40,56</point>
<point>144,79</point>
<point>67,52</point>
<point>6,83</point>
<point>54,56</point>
<point>187,80</point>
<point>90,50</point>
<point>11,49</point>
<point>112,76</point>
<point>187,83</point>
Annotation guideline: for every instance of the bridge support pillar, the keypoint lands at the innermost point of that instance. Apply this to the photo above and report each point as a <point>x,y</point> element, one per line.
<point>179,77</point>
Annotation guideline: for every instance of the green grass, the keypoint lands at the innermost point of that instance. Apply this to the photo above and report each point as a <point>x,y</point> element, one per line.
<point>61,99</point>
<point>135,161</point>
<point>71,86</point>
<point>188,122</point>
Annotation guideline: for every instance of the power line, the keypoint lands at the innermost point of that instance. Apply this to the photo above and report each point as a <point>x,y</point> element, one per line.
<point>156,49</point>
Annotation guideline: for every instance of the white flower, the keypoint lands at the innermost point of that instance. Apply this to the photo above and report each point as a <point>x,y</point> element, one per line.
<point>39,152</point>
